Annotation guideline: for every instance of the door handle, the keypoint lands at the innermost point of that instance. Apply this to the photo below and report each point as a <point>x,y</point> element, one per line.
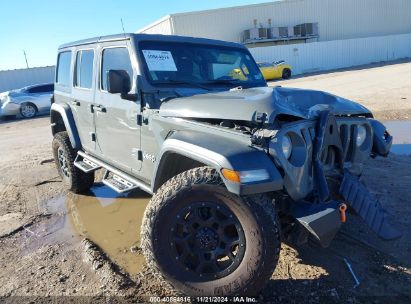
<point>99,108</point>
<point>75,102</point>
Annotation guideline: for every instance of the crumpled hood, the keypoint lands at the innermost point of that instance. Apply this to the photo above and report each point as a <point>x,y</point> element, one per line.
<point>246,104</point>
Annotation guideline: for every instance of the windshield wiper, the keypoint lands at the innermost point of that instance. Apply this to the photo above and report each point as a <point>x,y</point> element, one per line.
<point>194,84</point>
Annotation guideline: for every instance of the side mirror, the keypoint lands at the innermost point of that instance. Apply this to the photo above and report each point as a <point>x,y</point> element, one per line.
<point>118,81</point>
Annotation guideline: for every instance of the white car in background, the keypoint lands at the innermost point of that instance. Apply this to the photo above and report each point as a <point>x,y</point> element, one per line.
<point>28,101</point>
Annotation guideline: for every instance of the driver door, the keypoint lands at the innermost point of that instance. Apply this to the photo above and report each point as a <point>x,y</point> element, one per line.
<point>116,119</point>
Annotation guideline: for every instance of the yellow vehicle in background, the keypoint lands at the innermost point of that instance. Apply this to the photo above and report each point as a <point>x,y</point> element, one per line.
<point>270,71</point>
<point>275,70</point>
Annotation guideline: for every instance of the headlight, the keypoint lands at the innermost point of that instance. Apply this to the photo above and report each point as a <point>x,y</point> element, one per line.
<point>361,135</point>
<point>4,99</point>
<point>286,146</point>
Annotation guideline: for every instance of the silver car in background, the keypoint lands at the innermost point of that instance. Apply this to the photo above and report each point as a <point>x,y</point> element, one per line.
<point>28,101</point>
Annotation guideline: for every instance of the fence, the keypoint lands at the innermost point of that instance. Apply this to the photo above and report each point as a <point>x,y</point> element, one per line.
<point>15,79</point>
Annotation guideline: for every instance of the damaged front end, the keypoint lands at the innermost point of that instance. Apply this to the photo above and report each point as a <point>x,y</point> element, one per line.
<point>321,161</point>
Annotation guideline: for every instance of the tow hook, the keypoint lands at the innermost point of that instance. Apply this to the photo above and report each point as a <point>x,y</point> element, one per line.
<point>342,208</point>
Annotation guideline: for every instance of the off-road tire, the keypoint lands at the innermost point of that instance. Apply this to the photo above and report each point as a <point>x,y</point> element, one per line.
<point>77,181</point>
<point>256,215</point>
<point>286,74</point>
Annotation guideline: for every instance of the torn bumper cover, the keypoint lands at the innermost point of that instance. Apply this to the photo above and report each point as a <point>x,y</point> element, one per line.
<point>322,221</point>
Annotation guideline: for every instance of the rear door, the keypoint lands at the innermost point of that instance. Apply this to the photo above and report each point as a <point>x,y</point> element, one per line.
<point>41,96</point>
<point>116,119</point>
<point>82,97</point>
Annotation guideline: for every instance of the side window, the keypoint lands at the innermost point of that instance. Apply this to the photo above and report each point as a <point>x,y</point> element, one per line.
<point>38,89</point>
<point>63,68</point>
<point>115,59</point>
<point>83,75</point>
<point>49,88</point>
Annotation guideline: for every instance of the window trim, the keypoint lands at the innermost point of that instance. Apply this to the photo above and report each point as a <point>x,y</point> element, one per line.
<point>58,65</point>
<point>75,69</point>
<point>100,84</point>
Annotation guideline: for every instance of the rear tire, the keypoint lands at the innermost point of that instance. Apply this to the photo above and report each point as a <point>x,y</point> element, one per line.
<point>74,179</point>
<point>286,74</point>
<point>206,241</point>
<point>28,110</point>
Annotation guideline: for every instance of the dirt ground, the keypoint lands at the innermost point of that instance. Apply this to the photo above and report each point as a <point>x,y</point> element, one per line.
<point>57,244</point>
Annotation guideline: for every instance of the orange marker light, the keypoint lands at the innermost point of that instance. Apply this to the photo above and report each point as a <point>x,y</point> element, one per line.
<point>343,208</point>
<point>231,175</point>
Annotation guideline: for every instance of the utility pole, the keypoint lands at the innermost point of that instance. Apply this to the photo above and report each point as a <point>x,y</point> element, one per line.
<point>122,25</point>
<point>25,57</point>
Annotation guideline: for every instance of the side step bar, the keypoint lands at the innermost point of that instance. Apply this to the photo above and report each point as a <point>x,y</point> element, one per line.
<point>117,183</point>
<point>113,178</point>
<point>367,207</point>
<point>85,164</point>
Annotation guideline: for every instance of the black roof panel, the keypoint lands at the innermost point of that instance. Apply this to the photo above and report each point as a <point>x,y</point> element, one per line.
<point>139,37</point>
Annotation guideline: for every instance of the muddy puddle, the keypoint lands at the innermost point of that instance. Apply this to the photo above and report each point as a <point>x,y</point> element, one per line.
<point>401,131</point>
<point>110,220</point>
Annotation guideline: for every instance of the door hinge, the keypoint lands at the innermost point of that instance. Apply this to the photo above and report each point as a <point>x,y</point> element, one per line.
<point>93,136</point>
<point>140,155</point>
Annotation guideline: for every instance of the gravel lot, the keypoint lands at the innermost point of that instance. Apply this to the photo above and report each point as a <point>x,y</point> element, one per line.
<point>48,247</point>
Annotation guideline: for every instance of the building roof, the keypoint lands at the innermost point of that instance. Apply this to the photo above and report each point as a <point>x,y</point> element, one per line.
<point>170,16</point>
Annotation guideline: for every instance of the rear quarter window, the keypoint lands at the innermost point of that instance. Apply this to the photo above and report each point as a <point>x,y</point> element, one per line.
<point>63,68</point>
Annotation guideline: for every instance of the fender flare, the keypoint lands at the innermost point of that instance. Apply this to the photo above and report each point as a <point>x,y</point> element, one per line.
<point>223,152</point>
<point>67,116</point>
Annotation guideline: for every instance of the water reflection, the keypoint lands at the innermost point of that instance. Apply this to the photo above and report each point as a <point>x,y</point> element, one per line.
<point>112,221</point>
<point>401,131</point>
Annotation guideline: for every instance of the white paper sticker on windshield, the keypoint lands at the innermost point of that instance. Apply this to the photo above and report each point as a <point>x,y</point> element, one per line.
<point>159,60</point>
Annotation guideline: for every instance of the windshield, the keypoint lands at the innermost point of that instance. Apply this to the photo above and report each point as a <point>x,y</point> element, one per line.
<point>264,65</point>
<point>173,63</point>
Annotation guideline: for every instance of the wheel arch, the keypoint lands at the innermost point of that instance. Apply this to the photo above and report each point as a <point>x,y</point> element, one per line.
<point>171,164</point>
<point>190,149</point>
<point>62,119</point>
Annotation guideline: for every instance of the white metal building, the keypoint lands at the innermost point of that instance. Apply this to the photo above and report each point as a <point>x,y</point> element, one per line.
<point>349,27</point>
<point>16,79</point>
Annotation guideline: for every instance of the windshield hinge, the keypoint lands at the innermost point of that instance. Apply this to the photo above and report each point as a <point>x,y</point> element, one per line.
<point>239,88</point>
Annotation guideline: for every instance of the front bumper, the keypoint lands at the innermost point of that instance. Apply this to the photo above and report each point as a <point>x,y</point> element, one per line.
<point>9,109</point>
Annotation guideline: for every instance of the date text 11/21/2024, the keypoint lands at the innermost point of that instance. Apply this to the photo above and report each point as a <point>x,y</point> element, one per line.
<point>222,299</point>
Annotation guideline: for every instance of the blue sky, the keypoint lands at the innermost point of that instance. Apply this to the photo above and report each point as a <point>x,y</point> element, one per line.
<point>40,26</point>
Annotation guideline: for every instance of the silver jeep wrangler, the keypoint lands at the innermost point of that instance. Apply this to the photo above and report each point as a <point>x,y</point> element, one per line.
<point>234,167</point>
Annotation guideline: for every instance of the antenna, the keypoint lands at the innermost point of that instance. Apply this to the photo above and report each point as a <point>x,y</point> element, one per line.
<point>122,25</point>
<point>25,57</point>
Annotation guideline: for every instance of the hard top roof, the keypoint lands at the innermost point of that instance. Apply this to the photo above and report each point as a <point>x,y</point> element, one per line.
<point>149,37</point>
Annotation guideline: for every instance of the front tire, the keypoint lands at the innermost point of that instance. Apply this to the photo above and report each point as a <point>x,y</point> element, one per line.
<point>28,110</point>
<point>73,178</point>
<point>206,241</point>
